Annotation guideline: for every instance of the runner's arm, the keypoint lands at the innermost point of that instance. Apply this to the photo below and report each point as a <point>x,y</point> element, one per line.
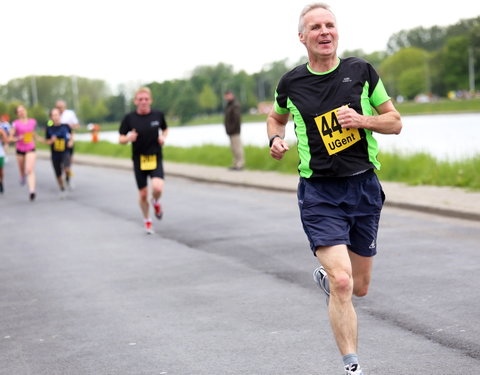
<point>4,136</point>
<point>276,127</point>
<point>131,136</point>
<point>388,120</point>
<point>163,136</point>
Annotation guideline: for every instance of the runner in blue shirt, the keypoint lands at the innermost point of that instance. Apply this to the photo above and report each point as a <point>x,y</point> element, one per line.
<point>59,137</point>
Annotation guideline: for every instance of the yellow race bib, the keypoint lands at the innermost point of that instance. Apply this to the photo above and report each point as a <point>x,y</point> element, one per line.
<point>59,145</point>
<point>28,137</point>
<point>148,162</point>
<point>333,135</point>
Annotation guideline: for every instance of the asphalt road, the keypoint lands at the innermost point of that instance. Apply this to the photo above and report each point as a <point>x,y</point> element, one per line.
<point>223,287</point>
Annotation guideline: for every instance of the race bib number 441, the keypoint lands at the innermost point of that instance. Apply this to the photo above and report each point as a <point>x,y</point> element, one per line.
<point>333,135</point>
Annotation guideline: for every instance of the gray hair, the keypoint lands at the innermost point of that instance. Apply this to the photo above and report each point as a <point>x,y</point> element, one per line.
<point>308,8</point>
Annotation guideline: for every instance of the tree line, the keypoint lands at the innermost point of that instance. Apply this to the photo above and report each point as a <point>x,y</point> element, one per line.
<point>430,61</point>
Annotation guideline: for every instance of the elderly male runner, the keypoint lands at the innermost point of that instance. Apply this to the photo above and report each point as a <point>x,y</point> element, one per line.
<point>339,195</point>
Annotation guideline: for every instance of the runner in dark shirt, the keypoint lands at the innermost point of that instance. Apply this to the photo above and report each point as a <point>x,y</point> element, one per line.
<point>146,129</point>
<point>339,195</point>
<point>59,137</point>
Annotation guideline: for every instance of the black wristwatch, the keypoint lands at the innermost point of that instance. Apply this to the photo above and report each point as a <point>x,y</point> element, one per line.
<point>270,141</point>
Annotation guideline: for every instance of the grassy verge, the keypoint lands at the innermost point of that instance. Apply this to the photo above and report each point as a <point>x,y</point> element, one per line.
<point>414,169</point>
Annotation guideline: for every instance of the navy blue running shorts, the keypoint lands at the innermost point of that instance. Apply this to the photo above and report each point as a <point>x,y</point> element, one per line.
<point>342,211</point>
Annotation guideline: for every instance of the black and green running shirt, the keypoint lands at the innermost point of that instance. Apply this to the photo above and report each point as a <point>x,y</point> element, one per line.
<point>324,148</point>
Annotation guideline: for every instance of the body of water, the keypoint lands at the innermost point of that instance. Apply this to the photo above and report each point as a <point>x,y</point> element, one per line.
<point>446,137</point>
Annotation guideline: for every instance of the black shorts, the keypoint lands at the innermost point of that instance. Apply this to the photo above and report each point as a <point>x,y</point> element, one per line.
<point>342,211</point>
<point>59,162</point>
<point>25,152</point>
<point>141,175</point>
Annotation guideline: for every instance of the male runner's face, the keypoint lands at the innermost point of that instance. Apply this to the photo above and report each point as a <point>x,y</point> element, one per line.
<point>320,35</point>
<point>143,102</point>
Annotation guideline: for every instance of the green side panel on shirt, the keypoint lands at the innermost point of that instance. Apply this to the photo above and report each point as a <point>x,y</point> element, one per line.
<point>302,141</point>
<point>280,110</point>
<point>379,95</point>
<point>367,111</point>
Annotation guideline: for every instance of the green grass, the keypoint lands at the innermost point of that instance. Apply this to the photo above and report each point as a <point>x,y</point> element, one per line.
<point>423,169</point>
<point>414,169</point>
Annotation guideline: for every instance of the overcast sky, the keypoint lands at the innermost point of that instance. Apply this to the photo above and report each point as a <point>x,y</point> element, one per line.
<point>135,42</point>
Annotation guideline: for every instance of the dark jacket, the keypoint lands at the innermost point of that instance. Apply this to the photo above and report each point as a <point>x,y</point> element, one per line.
<point>232,117</point>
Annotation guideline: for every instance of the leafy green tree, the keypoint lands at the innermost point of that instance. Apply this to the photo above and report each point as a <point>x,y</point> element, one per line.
<point>374,58</point>
<point>116,107</point>
<point>38,113</point>
<point>86,110</point>
<point>428,39</point>
<point>412,82</point>
<point>244,86</point>
<point>3,108</point>
<point>207,99</point>
<point>186,106</point>
<point>100,110</point>
<point>166,94</point>
<point>267,79</point>
<point>394,66</point>
<point>454,61</point>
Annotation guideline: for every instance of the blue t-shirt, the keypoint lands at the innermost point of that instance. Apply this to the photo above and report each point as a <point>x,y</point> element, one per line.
<point>62,133</point>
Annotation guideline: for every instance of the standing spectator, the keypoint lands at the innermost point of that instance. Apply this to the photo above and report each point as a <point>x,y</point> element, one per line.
<point>23,133</point>
<point>68,117</point>
<point>146,129</point>
<point>232,127</point>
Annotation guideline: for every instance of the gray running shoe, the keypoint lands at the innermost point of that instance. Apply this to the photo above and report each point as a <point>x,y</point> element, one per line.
<point>321,278</point>
<point>353,369</point>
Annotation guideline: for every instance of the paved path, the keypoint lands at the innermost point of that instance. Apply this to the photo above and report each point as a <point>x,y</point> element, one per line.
<point>223,287</point>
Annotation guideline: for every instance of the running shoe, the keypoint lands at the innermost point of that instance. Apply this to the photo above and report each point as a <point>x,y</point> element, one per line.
<point>353,369</point>
<point>321,278</point>
<point>69,183</point>
<point>1,187</point>
<point>157,209</point>
<point>32,196</point>
<point>148,227</point>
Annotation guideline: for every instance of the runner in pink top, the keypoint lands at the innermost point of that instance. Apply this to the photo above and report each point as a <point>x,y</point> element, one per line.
<point>23,133</point>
